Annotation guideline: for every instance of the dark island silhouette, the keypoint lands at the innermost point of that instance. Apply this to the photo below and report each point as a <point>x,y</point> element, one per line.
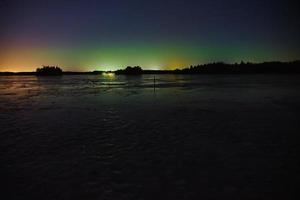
<point>49,71</point>
<point>275,67</point>
<point>136,70</point>
<point>57,71</point>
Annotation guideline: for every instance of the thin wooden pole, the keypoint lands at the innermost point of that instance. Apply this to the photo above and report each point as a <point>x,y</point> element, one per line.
<point>154,83</point>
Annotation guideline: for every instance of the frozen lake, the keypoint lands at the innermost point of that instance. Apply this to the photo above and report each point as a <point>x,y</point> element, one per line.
<point>115,137</point>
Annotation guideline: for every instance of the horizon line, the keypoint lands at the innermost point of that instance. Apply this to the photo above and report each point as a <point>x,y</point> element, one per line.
<point>183,67</point>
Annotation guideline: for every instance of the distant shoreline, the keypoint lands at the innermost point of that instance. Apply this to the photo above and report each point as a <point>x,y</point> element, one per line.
<point>211,68</point>
<point>35,73</point>
<point>147,73</point>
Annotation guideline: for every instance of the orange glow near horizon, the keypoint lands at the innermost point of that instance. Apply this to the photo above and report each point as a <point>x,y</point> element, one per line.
<point>176,63</point>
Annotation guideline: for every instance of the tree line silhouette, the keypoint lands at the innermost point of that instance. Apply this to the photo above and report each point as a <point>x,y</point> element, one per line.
<point>222,68</point>
<point>248,68</point>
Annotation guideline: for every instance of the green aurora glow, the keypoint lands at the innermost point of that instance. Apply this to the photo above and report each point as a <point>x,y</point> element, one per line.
<point>147,55</point>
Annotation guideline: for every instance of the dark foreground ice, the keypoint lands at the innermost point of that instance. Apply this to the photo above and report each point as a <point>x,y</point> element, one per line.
<point>114,137</point>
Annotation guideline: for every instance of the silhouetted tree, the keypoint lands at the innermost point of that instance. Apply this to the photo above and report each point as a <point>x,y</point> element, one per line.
<point>49,71</point>
<point>136,70</point>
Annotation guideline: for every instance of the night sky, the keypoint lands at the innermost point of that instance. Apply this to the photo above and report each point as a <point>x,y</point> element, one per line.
<point>84,35</point>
